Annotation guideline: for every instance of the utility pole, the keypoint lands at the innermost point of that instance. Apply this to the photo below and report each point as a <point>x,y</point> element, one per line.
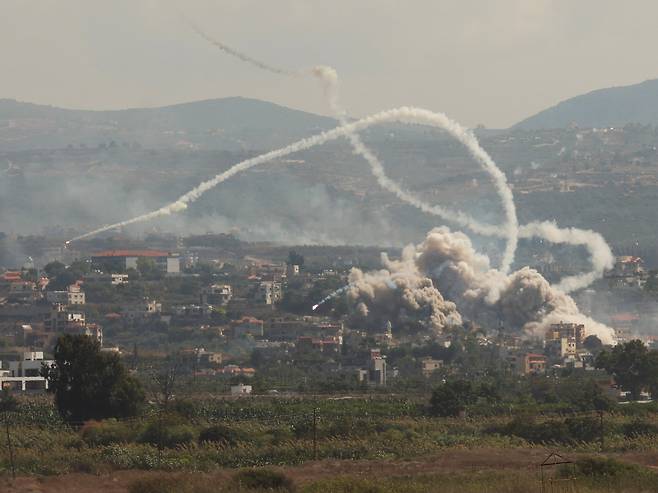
<point>315,433</point>
<point>601,437</point>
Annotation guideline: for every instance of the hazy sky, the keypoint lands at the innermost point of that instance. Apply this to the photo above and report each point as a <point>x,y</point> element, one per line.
<point>481,61</point>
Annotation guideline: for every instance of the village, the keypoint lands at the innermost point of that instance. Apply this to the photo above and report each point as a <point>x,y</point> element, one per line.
<point>243,324</point>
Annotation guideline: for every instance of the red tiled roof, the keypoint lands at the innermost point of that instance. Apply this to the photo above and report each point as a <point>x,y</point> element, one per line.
<point>131,253</point>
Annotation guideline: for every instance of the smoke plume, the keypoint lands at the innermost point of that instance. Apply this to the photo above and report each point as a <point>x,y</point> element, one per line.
<point>446,273</point>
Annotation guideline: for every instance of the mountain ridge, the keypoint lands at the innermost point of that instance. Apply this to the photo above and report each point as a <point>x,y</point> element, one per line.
<point>606,107</point>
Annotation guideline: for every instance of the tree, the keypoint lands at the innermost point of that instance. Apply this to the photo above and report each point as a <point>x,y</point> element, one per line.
<point>89,384</point>
<point>295,258</point>
<point>592,343</point>
<point>149,269</point>
<point>8,405</point>
<point>632,365</point>
<point>451,398</point>
<point>54,269</point>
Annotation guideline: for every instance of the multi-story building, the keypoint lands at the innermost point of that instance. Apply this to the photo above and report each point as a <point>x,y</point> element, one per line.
<point>267,292</point>
<point>216,294</point>
<point>25,374</point>
<point>61,319</point>
<point>141,310</point>
<point>122,260</point>
<point>73,295</point>
<point>534,364</point>
<point>566,330</point>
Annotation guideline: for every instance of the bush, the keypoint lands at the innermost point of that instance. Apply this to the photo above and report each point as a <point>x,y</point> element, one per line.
<point>553,431</point>
<point>172,483</point>
<point>263,479</point>
<point>583,429</point>
<point>167,431</point>
<point>639,427</point>
<point>106,432</point>
<point>604,467</point>
<point>221,434</point>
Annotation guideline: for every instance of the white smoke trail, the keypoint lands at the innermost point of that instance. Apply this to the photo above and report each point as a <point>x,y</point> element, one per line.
<point>331,296</point>
<point>408,115</point>
<point>238,54</point>
<point>329,79</point>
<point>601,256</point>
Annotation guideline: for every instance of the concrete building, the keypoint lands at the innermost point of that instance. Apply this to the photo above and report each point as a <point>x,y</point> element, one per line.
<point>628,272</point>
<point>122,260</point>
<point>216,294</point>
<point>72,296</point>
<point>534,364</point>
<point>566,330</point>
<point>430,365</point>
<point>247,326</point>
<point>62,318</point>
<point>267,292</point>
<point>111,279</point>
<point>141,310</point>
<point>25,374</point>
<point>241,389</point>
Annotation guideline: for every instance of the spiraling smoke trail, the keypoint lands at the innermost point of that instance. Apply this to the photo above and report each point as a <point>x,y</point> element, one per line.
<point>329,79</point>
<point>408,115</point>
<point>601,256</point>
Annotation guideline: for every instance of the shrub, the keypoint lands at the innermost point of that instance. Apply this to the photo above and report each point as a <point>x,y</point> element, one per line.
<point>604,467</point>
<point>168,431</point>
<point>221,434</point>
<point>568,431</point>
<point>106,432</point>
<point>172,483</point>
<point>583,429</point>
<point>639,427</point>
<point>263,479</point>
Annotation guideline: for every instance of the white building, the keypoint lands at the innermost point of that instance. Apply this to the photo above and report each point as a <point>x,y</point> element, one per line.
<point>240,389</point>
<point>25,374</point>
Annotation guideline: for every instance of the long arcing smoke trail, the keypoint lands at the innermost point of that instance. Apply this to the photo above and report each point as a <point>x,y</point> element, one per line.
<point>408,115</point>
<point>329,78</point>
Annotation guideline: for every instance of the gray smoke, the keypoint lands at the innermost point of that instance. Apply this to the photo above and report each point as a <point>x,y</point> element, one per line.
<point>447,266</point>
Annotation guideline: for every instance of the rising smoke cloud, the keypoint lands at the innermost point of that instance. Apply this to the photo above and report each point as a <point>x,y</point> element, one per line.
<point>447,266</point>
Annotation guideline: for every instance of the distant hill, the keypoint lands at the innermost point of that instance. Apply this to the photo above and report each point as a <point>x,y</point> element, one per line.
<point>611,107</point>
<point>227,123</point>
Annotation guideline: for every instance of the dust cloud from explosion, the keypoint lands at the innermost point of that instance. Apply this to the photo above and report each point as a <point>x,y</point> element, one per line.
<point>443,276</point>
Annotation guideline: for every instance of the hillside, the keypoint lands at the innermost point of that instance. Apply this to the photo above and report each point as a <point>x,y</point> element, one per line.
<point>611,107</point>
<point>226,124</point>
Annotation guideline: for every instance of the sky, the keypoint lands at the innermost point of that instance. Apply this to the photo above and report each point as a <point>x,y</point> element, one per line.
<point>490,62</point>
